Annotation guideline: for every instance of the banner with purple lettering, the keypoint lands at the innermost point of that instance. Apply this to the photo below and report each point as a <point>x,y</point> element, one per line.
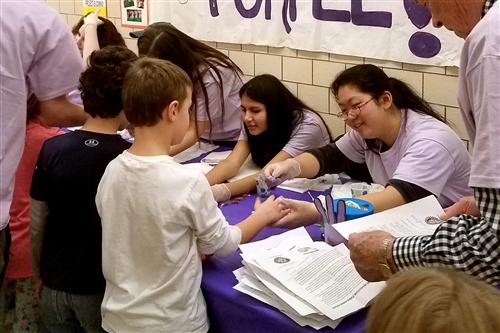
<point>398,30</point>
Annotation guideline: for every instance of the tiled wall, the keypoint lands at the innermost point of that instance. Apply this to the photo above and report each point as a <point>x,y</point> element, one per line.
<point>308,74</point>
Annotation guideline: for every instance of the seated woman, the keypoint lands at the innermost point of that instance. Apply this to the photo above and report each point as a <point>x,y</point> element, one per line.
<point>407,146</point>
<point>277,125</point>
<point>216,83</point>
<point>435,301</point>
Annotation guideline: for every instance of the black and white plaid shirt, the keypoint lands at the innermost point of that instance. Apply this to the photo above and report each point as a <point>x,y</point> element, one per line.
<point>467,243</point>
<point>487,5</point>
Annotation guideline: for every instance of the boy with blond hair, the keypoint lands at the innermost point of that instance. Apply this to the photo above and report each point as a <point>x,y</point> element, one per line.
<point>158,216</point>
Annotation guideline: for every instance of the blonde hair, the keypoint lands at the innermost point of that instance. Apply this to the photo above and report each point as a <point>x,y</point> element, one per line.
<point>435,301</point>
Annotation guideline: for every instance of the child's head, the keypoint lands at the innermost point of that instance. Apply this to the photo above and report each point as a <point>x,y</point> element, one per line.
<point>435,301</point>
<point>102,82</point>
<point>107,34</point>
<point>151,85</point>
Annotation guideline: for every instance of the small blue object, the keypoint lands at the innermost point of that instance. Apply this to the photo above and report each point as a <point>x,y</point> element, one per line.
<point>263,190</point>
<point>352,212</point>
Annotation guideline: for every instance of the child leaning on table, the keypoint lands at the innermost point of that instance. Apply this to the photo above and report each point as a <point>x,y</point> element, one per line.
<point>157,216</point>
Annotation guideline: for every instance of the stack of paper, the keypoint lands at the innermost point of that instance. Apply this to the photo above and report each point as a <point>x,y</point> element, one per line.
<point>311,282</point>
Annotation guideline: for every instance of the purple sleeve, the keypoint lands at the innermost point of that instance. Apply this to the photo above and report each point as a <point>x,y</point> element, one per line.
<point>57,64</point>
<point>310,133</point>
<point>352,146</point>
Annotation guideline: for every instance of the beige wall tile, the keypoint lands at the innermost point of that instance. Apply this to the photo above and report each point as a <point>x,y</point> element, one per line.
<point>266,63</point>
<point>211,44</point>
<point>72,20</point>
<point>441,89</point>
<point>384,63</point>
<point>414,79</point>
<point>454,117</point>
<point>283,51</point>
<point>113,9</point>
<point>324,72</point>
<point>297,70</point>
<point>292,86</point>
<point>228,46</point>
<point>246,78</point>
<point>254,48</point>
<point>124,31</point>
<point>226,52</point>
<point>313,55</point>
<point>54,4</point>
<point>346,59</point>
<point>424,68</point>
<point>334,107</point>
<point>245,60</point>
<point>67,7</point>
<point>78,7</point>
<point>439,109</point>
<point>315,97</point>
<point>452,70</point>
<point>335,125</point>
<point>132,45</point>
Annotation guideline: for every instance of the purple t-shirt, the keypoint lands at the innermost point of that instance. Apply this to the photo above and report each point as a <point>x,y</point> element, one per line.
<point>426,153</point>
<point>38,55</point>
<point>479,98</point>
<point>309,134</point>
<point>225,128</point>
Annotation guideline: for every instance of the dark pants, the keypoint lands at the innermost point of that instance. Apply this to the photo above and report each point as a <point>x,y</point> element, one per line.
<point>5,241</point>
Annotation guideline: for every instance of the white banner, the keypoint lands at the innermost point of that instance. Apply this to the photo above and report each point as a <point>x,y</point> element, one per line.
<point>397,30</point>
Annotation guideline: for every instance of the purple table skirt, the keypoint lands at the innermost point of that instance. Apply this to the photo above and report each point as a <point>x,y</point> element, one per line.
<point>232,311</point>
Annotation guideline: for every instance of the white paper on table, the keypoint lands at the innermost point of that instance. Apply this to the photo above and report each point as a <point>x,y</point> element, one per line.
<point>299,234</point>
<point>405,220</point>
<point>216,157</point>
<point>247,169</point>
<point>202,167</point>
<point>194,151</point>
<point>323,276</point>
<point>302,185</point>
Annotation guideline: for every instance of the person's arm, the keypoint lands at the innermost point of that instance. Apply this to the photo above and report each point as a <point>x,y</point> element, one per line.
<point>38,217</point>
<point>59,112</point>
<point>387,199</point>
<point>88,31</point>
<point>230,166</point>
<point>191,137</point>
<point>465,242</point>
<point>247,184</point>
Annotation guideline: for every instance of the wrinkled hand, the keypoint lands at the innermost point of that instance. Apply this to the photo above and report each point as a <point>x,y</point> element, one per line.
<point>271,209</point>
<point>364,248</point>
<point>466,205</point>
<point>300,213</point>
<point>221,192</point>
<point>283,170</point>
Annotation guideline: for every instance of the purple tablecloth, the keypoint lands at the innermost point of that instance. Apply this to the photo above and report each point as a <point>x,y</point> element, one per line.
<point>231,311</point>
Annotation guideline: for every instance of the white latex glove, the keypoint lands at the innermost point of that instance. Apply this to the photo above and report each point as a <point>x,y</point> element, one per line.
<point>221,192</point>
<point>281,171</point>
<point>90,20</point>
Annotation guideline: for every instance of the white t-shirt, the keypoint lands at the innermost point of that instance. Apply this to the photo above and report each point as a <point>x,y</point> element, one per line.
<point>479,98</point>
<point>157,217</point>
<point>426,153</point>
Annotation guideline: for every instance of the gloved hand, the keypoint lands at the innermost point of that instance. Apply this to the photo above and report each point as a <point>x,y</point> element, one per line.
<point>90,20</point>
<point>221,192</point>
<point>281,171</point>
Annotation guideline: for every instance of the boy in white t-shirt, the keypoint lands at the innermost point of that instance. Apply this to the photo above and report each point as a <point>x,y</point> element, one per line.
<point>158,217</point>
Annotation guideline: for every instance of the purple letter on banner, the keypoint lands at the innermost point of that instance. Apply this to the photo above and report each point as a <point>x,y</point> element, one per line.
<point>322,14</point>
<point>252,12</point>
<point>373,19</point>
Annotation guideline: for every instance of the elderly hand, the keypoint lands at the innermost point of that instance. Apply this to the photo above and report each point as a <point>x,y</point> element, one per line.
<point>221,192</point>
<point>466,205</point>
<point>365,249</point>
<point>300,213</point>
<point>283,170</point>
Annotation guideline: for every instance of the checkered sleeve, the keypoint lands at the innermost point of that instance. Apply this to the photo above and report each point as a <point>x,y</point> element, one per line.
<point>464,242</point>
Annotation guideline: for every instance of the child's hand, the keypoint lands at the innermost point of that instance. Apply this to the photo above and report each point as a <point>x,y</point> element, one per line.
<point>271,209</point>
<point>300,213</point>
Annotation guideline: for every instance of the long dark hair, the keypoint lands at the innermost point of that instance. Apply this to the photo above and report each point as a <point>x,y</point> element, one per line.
<point>284,113</point>
<point>162,40</point>
<point>372,80</point>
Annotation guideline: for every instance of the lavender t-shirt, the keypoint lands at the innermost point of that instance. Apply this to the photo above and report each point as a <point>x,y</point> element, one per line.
<point>38,55</point>
<point>225,128</point>
<point>426,153</point>
<point>309,134</point>
<point>479,98</point>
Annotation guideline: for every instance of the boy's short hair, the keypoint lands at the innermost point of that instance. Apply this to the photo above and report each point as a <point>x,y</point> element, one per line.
<point>151,85</point>
<point>102,82</point>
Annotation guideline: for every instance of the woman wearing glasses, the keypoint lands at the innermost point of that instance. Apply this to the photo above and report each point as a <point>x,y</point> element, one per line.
<point>407,146</point>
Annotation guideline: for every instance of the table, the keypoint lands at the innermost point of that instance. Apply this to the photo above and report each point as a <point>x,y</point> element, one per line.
<point>231,311</point>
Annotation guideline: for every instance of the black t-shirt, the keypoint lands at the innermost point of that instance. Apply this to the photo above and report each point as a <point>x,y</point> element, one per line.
<point>66,177</point>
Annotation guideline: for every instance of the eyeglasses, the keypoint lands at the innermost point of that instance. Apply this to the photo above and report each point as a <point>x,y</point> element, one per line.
<point>354,111</point>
